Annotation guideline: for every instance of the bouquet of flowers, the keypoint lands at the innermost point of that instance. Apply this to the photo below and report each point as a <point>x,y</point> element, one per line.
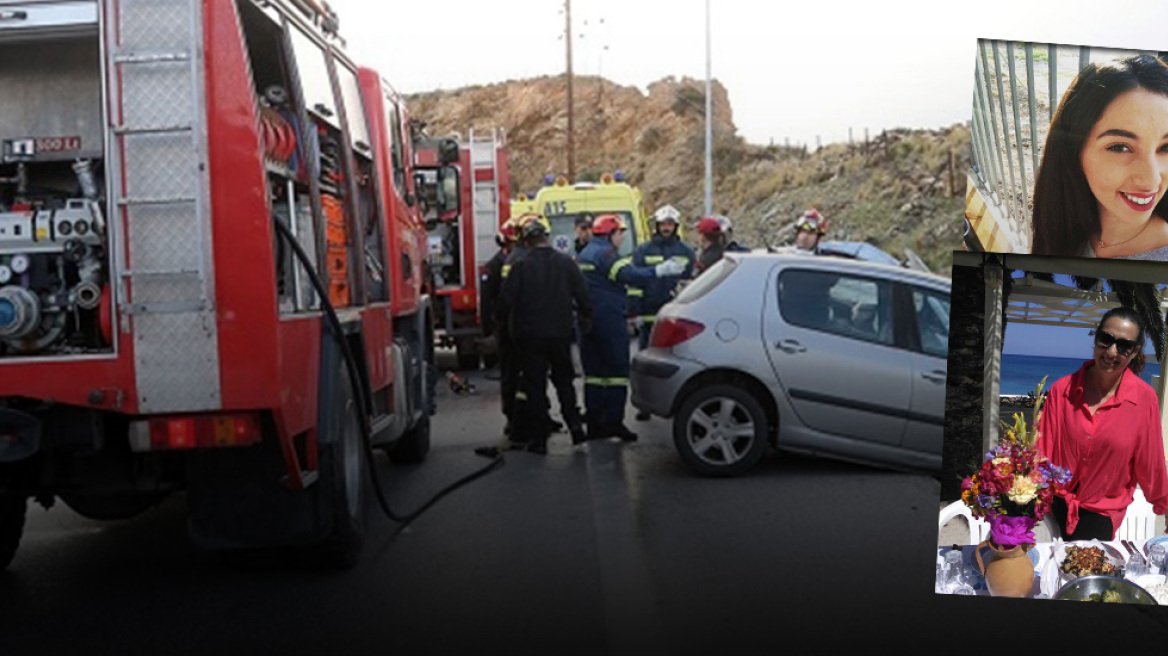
<point>1016,484</point>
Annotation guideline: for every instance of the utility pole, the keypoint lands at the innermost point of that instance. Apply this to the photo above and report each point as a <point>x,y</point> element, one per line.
<point>571,118</point>
<point>709,124</point>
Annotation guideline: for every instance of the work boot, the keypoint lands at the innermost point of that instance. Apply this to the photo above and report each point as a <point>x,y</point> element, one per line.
<point>514,445</point>
<point>623,432</point>
<point>597,431</point>
<point>577,430</point>
<point>538,447</point>
<point>642,415</point>
<point>554,426</point>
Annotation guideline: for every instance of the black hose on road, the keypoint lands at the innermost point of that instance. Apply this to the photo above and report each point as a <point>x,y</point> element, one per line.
<point>363,393</point>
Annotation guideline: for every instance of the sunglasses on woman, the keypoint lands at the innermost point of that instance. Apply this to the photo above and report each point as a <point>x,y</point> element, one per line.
<point>1104,340</point>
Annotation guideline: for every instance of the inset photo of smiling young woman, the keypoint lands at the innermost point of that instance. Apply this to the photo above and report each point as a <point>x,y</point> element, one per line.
<point>1069,152</point>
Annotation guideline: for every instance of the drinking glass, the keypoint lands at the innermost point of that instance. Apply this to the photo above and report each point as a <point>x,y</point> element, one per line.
<point>1158,554</point>
<point>1135,569</point>
<point>956,579</point>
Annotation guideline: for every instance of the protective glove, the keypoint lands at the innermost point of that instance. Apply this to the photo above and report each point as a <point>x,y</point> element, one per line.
<point>669,268</point>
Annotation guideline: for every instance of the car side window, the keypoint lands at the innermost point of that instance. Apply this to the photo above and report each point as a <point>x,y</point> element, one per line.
<point>932,312</point>
<point>846,305</point>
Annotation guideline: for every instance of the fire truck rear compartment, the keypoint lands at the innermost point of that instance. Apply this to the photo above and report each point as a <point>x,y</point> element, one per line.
<point>54,250</point>
<point>84,459</point>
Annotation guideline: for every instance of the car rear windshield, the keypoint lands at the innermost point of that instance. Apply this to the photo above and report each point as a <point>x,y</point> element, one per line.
<point>708,280</point>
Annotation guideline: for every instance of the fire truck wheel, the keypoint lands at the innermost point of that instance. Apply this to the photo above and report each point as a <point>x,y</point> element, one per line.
<point>413,445</point>
<point>342,469</point>
<point>12,511</point>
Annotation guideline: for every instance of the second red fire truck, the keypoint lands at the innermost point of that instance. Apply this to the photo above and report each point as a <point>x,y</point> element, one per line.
<point>462,241</point>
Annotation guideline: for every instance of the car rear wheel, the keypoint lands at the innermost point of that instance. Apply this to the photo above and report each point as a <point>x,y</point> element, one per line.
<point>720,430</point>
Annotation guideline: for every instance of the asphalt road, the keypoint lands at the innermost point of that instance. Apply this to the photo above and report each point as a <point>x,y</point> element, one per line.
<point>606,548</point>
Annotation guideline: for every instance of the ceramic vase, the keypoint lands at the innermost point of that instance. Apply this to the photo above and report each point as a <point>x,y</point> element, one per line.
<point>1008,572</point>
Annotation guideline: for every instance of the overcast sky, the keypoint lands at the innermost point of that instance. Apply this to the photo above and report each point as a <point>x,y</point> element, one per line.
<point>794,70</point>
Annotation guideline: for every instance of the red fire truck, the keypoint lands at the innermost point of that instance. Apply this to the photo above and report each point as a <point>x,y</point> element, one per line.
<point>462,242</point>
<point>211,270</point>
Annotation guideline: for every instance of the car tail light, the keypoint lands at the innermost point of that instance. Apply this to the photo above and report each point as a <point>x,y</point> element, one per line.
<point>194,432</point>
<point>670,331</point>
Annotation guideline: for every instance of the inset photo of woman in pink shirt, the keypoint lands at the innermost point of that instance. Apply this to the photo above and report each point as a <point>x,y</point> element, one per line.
<point>1103,423</point>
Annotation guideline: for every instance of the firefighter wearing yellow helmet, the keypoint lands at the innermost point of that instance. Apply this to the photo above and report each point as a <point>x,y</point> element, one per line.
<point>543,293</point>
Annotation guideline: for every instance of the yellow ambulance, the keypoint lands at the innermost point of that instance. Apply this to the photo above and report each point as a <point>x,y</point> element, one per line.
<point>562,202</point>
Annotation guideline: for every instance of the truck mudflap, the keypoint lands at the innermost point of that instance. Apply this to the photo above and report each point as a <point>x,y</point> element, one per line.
<point>20,435</point>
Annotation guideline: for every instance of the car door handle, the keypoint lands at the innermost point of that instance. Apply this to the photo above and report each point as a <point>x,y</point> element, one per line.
<point>790,346</point>
<point>935,376</point>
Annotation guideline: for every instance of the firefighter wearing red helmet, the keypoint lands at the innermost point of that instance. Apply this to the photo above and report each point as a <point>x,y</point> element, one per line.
<point>712,242</point>
<point>604,349</point>
<point>811,227</point>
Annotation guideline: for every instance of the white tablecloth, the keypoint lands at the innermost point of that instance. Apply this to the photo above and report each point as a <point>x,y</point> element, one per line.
<point>1041,557</point>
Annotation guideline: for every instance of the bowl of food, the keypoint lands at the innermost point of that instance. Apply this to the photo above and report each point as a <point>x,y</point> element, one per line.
<point>1078,560</point>
<point>1105,589</point>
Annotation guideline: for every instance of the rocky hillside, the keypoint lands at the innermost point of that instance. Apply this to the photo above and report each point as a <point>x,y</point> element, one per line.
<point>902,190</point>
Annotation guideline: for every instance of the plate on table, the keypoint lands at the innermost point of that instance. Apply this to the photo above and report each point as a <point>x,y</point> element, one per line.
<point>1110,555</point>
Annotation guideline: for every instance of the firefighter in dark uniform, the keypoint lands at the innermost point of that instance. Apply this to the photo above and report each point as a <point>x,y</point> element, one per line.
<point>492,325</point>
<point>604,350</point>
<point>565,391</point>
<point>665,245</point>
<point>732,246</point>
<point>544,292</point>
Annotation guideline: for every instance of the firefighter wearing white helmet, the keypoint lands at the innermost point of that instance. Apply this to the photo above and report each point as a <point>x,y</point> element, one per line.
<point>665,245</point>
<point>732,246</point>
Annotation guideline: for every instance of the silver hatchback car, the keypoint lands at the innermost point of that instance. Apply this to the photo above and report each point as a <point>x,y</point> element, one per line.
<point>821,355</point>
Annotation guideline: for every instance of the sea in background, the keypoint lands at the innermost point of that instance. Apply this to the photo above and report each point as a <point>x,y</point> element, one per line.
<point>1021,373</point>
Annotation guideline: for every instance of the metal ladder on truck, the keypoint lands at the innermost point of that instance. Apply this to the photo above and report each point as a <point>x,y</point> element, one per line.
<point>161,231</point>
<point>484,165</point>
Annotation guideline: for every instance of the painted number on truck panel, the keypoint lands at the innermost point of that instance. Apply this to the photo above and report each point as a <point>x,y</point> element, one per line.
<point>56,144</point>
<point>554,207</point>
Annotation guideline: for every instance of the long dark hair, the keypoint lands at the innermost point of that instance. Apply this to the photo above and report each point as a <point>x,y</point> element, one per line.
<point>1124,312</point>
<point>1066,213</point>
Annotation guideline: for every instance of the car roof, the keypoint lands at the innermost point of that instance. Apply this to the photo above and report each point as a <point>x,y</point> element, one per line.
<point>841,264</point>
<point>858,249</point>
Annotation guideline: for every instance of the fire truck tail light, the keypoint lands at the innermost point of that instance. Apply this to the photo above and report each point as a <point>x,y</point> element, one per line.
<point>670,331</point>
<point>194,432</point>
